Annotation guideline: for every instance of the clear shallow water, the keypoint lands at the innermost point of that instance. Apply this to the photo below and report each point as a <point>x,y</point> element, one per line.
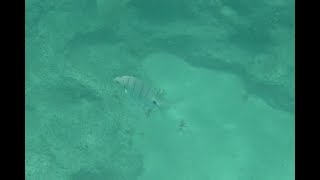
<point>226,68</point>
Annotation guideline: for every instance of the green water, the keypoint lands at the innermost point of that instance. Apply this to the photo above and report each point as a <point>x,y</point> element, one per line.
<point>226,67</point>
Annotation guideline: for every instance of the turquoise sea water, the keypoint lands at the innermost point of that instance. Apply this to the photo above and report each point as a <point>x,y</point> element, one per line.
<point>226,68</point>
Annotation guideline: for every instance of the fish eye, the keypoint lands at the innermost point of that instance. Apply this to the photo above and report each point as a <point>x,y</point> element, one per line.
<point>154,102</point>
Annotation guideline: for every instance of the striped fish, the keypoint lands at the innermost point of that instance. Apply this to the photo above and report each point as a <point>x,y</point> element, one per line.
<point>139,90</point>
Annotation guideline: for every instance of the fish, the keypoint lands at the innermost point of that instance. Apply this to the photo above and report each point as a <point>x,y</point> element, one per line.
<point>136,88</point>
